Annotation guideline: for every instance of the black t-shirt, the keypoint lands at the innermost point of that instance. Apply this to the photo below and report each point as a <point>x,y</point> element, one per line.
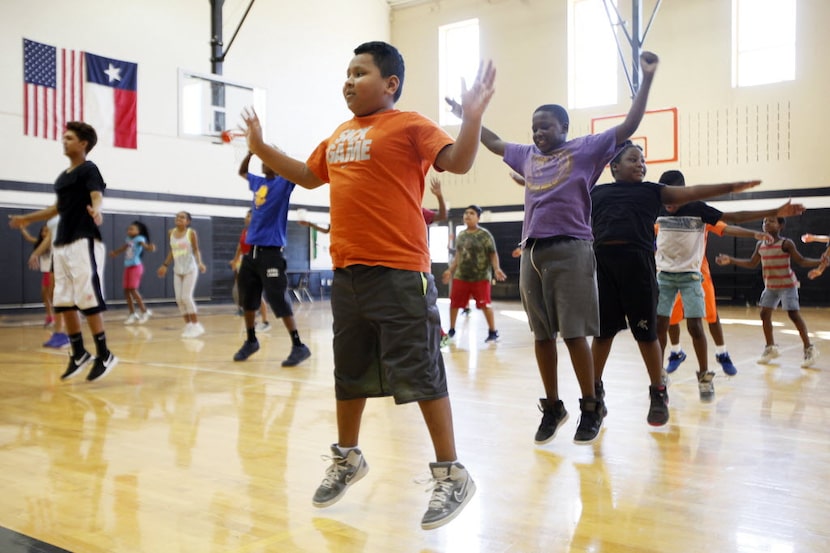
<point>625,211</point>
<point>73,189</point>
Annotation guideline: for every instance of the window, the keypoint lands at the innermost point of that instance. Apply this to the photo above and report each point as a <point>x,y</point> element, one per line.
<point>439,242</point>
<point>763,41</point>
<point>592,54</point>
<point>458,57</point>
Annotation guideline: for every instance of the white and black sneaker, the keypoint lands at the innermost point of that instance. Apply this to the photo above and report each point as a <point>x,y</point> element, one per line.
<point>102,367</point>
<point>452,489</point>
<point>344,471</point>
<point>77,365</point>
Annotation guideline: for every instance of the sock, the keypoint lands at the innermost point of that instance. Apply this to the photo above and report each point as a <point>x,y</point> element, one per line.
<point>251,334</point>
<point>675,348</point>
<point>346,450</point>
<point>720,349</point>
<point>295,338</point>
<point>77,343</point>
<point>101,345</point>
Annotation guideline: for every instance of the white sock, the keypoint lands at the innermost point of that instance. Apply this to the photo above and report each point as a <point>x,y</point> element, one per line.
<point>720,350</point>
<point>675,348</point>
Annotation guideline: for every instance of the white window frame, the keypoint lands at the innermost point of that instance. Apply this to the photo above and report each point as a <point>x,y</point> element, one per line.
<point>455,63</point>
<point>763,41</point>
<point>593,71</point>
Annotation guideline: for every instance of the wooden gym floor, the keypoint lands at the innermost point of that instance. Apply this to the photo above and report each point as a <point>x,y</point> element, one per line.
<point>180,449</point>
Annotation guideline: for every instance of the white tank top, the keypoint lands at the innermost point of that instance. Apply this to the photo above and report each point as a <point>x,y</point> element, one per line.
<point>184,261</point>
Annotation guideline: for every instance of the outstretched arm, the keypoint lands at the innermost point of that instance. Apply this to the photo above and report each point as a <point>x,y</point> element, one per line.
<point>490,139</point>
<point>435,188</point>
<point>20,221</point>
<point>787,210</point>
<point>459,157</point>
<point>741,232</point>
<point>789,247</point>
<point>289,168</point>
<point>648,63</point>
<point>315,226</point>
<point>118,251</point>
<point>751,263</point>
<point>678,195</point>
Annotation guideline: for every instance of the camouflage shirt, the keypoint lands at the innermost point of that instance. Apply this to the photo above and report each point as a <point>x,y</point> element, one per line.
<point>473,250</point>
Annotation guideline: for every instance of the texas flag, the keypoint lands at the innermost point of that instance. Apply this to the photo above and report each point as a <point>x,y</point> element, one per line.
<point>111,100</point>
<point>61,85</point>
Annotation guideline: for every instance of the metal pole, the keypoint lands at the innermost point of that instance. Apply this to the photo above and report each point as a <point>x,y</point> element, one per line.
<point>636,41</point>
<point>216,54</point>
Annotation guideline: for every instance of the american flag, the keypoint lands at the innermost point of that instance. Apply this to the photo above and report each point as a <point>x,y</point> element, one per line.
<point>53,91</point>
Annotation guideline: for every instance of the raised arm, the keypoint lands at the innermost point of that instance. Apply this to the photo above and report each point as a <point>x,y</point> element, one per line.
<point>751,263</point>
<point>435,188</point>
<point>684,194</point>
<point>648,63</point>
<point>243,167</point>
<point>787,210</point>
<point>490,139</point>
<point>289,168</point>
<point>459,157</point>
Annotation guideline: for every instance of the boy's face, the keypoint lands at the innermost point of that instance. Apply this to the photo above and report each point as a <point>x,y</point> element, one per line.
<point>72,145</point>
<point>365,90</point>
<point>548,132</point>
<point>470,217</point>
<point>631,167</point>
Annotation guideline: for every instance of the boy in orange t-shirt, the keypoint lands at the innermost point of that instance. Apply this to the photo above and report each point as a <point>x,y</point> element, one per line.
<point>383,297</point>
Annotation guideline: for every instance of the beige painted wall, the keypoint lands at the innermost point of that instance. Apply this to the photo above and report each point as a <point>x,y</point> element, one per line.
<point>772,132</point>
<point>298,51</point>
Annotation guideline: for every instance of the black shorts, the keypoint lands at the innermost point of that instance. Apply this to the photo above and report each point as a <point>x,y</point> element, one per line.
<point>263,272</point>
<point>627,282</point>
<point>387,335</point>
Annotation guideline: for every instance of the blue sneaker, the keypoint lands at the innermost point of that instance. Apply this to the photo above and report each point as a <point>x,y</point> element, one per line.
<point>726,364</point>
<point>675,359</point>
<point>57,340</point>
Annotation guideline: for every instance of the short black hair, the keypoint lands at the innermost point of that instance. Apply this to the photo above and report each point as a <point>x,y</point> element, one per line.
<point>557,111</point>
<point>388,60</point>
<point>673,178</point>
<point>84,131</point>
<point>475,208</point>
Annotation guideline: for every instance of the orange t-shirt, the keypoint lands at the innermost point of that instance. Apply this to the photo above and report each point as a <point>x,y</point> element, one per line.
<point>376,167</point>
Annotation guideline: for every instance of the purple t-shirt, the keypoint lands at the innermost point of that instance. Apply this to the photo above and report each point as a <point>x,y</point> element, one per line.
<point>558,185</point>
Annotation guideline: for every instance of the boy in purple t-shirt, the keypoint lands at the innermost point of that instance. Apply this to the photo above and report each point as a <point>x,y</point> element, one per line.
<point>558,271</point>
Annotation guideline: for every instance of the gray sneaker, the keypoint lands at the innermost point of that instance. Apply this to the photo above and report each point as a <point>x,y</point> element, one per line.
<point>706,386</point>
<point>452,490</point>
<point>343,472</point>
<point>810,357</point>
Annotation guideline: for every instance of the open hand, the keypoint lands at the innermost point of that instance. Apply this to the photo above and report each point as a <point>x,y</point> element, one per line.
<point>723,259</point>
<point>252,129</point>
<point>789,209</point>
<point>475,99</point>
<point>435,186</point>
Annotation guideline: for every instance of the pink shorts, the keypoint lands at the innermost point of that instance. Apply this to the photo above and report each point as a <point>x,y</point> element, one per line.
<point>463,290</point>
<point>132,277</point>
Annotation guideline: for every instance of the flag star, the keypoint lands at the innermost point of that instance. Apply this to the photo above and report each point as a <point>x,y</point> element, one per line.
<point>114,73</point>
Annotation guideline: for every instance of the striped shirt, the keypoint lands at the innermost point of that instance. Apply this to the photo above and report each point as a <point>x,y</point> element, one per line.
<point>775,263</point>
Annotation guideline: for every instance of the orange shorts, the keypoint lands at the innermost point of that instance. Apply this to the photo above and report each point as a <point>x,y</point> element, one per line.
<point>708,298</point>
